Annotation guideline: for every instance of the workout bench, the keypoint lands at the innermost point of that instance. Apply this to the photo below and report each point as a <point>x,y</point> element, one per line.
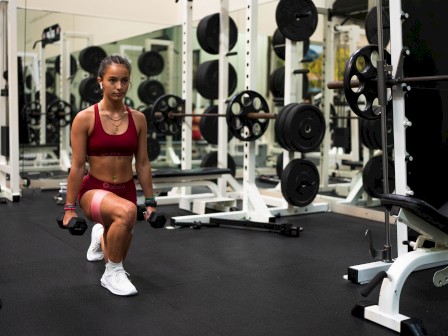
<point>432,225</point>
<point>196,177</point>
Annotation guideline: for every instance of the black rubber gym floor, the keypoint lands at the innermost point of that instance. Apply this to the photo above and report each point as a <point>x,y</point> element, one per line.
<point>213,281</point>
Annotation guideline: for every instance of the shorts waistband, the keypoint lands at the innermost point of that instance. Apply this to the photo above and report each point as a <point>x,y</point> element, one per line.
<point>107,185</point>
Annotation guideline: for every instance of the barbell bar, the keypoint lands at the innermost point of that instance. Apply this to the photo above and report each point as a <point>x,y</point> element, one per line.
<point>247,116</point>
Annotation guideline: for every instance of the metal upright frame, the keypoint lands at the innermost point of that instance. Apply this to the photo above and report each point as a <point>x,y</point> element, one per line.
<point>9,102</point>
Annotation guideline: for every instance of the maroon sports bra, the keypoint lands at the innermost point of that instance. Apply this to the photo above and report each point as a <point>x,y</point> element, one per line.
<point>102,144</point>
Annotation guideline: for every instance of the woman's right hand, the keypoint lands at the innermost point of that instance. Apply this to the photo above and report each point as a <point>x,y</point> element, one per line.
<point>69,214</point>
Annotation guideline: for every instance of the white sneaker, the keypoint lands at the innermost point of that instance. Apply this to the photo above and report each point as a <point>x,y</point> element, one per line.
<point>94,253</point>
<point>116,281</point>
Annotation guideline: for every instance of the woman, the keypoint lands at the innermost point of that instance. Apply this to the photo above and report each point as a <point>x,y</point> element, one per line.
<point>108,135</point>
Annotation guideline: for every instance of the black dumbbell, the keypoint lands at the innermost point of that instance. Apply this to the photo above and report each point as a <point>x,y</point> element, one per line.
<point>156,219</point>
<point>76,225</point>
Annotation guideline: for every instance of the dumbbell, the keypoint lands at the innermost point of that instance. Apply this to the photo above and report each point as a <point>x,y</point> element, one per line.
<point>76,225</point>
<point>156,219</point>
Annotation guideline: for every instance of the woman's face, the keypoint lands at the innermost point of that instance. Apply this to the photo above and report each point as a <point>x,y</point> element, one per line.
<point>116,81</point>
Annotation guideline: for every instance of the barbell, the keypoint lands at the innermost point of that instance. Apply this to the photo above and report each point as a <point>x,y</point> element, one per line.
<point>360,82</point>
<point>301,127</point>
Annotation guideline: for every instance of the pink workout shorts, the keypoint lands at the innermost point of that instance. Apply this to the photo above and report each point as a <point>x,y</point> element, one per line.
<point>126,190</point>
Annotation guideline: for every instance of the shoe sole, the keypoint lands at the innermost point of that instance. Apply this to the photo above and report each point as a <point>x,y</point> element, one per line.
<point>113,291</point>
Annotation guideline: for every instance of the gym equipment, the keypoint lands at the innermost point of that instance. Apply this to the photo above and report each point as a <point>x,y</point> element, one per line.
<point>277,83</point>
<point>89,90</point>
<point>209,126</point>
<point>360,82</point>
<point>432,225</point>
<point>372,176</point>
<point>279,41</point>
<point>76,225</point>
<point>90,59</point>
<point>284,229</point>
<point>153,147</point>
<point>208,31</point>
<point>206,79</point>
<point>300,182</point>
<point>371,26</point>
<point>296,19</point>
<point>211,160</point>
<point>149,90</point>
<point>247,117</point>
<point>151,63</point>
<point>156,219</point>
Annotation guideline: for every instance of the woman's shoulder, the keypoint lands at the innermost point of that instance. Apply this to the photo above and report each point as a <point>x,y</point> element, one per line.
<point>86,114</point>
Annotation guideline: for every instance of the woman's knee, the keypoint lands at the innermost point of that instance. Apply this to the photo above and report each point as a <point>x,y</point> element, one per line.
<point>126,212</point>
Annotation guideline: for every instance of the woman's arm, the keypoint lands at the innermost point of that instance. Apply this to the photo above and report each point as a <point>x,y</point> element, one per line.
<point>142,163</point>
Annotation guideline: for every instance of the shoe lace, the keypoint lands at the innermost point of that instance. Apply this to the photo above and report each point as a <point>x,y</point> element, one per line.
<point>121,275</point>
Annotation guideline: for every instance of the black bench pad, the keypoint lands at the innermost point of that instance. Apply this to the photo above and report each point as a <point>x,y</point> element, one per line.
<point>417,207</point>
<point>203,171</point>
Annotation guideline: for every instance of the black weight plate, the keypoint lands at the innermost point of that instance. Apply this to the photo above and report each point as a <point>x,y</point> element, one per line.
<point>163,123</point>
<point>277,83</point>
<point>300,182</point>
<point>89,90</point>
<point>211,160</point>
<point>153,148</point>
<point>207,79</point>
<point>59,112</point>
<point>90,58</point>
<point>73,65</point>
<point>371,26</point>
<point>372,176</point>
<point>241,126</point>
<point>364,128</point>
<point>149,121</point>
<point>296,19</point>
<point>209,126</point>
<point>378,139</point>
<point>151,63</point>
<point>279,165</point>
<point>305,128</point>
<point>149,90</point>
<point>369,134</point>
<point>208,32</point>
<point>279,41</point>
<point>362,66</point>
<point>280,125</point>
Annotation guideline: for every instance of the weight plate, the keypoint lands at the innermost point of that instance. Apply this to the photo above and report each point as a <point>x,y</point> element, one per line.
<point>208,32</point>
<point>296,19</point>
<point>151,63</point>
<point>304,128</point>
<point>149,90</point>
<point>373,177</point>
<point>89,90</point>
<point>371,26</point>
<point>279,41</point>
<point>73,65</point>
<point>300,182</point>
<point>279,126</point>
<point>207,79</point>
<point>209,126</point>
<point>361,66</point>
<point>163,123</point>
<point>241,126</point>
<point>90,58</point>
<point>153,148</point>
